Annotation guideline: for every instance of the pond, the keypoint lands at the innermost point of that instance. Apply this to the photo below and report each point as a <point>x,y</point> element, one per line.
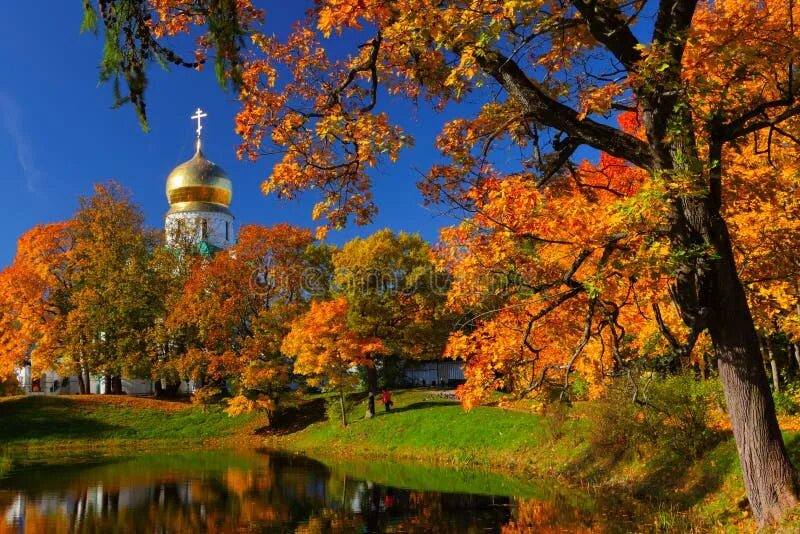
<point>250,491</point>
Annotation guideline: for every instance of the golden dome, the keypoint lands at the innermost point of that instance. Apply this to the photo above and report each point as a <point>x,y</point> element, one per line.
<point>198,185</point>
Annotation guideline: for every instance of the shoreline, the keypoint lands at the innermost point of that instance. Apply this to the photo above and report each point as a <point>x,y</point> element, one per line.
<point>423,432</point>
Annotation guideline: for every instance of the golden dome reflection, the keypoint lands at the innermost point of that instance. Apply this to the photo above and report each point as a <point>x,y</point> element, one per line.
<point>199,185</point>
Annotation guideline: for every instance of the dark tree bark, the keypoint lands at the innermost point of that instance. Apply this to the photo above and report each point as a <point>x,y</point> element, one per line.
<point>158,388</point>
<point>769,476</point>
<point>116,385</point>
<point>372,387</point>
<point>107,384</point>
<point>81,383</point>
<point>87,379</point>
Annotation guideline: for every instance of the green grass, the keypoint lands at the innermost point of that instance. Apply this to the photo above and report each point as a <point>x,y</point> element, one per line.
<point>423,426</point>
<point>67,422</point>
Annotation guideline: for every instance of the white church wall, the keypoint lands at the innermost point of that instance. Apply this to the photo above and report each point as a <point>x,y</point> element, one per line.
<point>191,221</point>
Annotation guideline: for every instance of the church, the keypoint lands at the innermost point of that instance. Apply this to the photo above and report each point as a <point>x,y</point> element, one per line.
<point>199,194</point>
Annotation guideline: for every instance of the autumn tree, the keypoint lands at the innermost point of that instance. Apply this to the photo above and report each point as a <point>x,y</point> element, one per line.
<point>79,295</point>
<point>395,294</point>
<point>762,212</point>
<point>563,67</point>
<point>115,299</point>
<point>35,300</point>
<point>234,311</point>
<point>704,77</point>
<point>326,350</point>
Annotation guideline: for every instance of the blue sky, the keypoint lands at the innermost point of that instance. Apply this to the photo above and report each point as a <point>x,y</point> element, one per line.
<point>59,135</point>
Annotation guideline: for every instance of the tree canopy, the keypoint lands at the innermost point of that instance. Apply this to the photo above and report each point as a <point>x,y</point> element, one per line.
<point>692,105</point>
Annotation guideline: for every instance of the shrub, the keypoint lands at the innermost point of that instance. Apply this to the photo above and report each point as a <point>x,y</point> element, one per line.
<point>785,403</point>
<point>682,411</point>
<point>670,414</point>
<point>556,416</point>
<point>616,422</point>
<point>579,389</point>
<point>9,385</point>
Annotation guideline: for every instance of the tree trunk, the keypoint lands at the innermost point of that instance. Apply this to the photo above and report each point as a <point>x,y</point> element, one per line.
<point>87,378</point>
<point>81,383</point>
<point>341,405</point>
<point>372,386</point>
<point>796,348</point>
<point>170,390</point>
<point>158,388</point>
<point>773,365</point>
<point>116,385</point>
<point>769,475</point>
<point>107,383</point>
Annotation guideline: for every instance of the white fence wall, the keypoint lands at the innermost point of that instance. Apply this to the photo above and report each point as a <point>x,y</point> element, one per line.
<point>50,383</point>
<point>433,372</point>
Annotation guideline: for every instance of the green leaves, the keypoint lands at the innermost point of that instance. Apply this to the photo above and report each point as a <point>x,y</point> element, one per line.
<point>90,18</point>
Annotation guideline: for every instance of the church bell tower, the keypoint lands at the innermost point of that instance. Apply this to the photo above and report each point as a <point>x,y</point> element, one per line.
<point>199,194</point>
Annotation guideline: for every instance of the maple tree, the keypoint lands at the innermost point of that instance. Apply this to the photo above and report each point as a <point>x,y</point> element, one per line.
<point>35,298</point>
<point>326,350</point>
<point>395,294</point>
<point>713,77</point>
<point>233,312</point>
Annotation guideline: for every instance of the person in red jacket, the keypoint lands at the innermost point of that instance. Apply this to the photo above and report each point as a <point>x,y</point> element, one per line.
<point>387,399</point>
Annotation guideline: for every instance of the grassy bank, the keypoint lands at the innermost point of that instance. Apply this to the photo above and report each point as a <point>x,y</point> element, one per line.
<point>675,492</point>
<point>424,426</point>
<point>672,491</point>
<point>73,422</point>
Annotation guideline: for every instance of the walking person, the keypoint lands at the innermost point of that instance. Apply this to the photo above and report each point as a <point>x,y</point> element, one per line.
<point>387,399</point>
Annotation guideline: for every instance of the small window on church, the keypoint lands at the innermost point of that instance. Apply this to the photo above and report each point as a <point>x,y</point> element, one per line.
<point>179,229</point>
<point>204,229</point>
<point>227,231</point>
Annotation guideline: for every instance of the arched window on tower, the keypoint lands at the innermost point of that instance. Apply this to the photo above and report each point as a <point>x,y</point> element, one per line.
<point>204,229</point>
<point>227,231</point>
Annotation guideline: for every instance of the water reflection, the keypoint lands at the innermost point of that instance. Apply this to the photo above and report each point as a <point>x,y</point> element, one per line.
<point>248,492</point>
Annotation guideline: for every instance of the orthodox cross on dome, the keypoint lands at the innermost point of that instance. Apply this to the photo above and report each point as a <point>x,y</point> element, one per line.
<point>199,115</point>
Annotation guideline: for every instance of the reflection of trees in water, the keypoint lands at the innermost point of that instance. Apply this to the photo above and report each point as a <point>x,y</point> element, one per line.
<point>273,493</point>
<point>375,508</point>
<point>561,514</point>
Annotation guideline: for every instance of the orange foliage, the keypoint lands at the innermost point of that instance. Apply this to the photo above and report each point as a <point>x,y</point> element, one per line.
<point>235,307</point>
<point>547,275</point>
<point>325,348</point>
<point>34,298</point>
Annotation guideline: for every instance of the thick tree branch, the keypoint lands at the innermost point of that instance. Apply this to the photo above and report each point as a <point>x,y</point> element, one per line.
<point>608,25</point>
<point>745,124</point>
<point>672,22</point>
<point>549,112</point>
